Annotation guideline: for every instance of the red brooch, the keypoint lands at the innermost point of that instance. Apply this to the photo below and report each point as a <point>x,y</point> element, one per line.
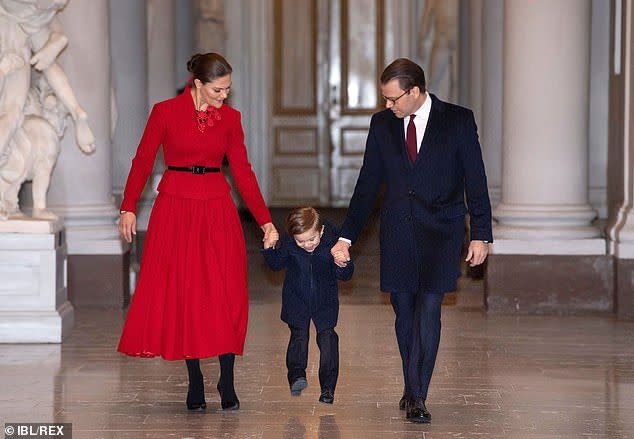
<point>205,118</point>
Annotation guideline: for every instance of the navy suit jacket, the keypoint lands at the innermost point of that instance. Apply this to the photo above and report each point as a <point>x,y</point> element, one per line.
<point>423,210</point>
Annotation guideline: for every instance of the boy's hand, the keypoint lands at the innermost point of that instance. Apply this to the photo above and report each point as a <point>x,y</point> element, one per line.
<point>341,253</point>
<point>340,258</point>
<point>270,243</point>
<point>271,238</point>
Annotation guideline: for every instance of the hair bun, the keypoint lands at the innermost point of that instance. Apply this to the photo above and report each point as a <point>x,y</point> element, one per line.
<point>191,64</point>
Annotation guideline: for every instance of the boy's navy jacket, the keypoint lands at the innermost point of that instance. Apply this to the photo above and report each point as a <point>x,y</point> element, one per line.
<point>310,286</point>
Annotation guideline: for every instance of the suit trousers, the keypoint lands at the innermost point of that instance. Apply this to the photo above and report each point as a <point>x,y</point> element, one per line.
<point>424,343</point>
<point>403,303</point>
<point>418,328</point>
<point>297,356</point>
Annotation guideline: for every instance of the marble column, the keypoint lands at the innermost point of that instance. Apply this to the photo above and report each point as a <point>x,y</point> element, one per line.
<point>185,45</point>
<point>548,256</point>
<point>490,122</point>
<point>599,105</point>
<point>128,53</point>
<point>476,84</point>
<point>161,37</point>
<point>621,160</point>
<point>81,186</point>
<point>545,135</point>
<point>161,85</point>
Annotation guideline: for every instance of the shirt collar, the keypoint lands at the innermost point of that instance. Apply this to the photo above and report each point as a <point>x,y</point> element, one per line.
<point>423,111</point>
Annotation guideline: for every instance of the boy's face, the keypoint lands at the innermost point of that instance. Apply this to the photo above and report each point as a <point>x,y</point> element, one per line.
<point>309,240</point>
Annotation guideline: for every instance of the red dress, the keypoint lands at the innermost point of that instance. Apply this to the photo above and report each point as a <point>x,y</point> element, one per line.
<point>191,296</point>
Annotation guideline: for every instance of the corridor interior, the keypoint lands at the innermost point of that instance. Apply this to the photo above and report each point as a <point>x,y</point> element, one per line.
<point>497,376</point>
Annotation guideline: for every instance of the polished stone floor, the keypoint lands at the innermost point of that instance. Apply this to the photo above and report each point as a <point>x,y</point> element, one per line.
<point>496,376</point>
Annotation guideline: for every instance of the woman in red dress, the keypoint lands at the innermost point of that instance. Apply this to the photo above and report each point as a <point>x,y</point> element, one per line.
<point>191,297</point>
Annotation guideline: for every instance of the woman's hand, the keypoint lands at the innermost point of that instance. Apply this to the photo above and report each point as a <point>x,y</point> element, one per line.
<point>270,235</point>
<point>127,225</point>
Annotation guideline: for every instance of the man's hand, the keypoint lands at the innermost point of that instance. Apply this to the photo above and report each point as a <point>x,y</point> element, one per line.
<point>477,253</point>
<point>127,225</point>
<point>340,253</point>
<point>271,236</point>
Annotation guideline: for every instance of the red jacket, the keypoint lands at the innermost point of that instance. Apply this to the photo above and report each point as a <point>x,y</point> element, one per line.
<point>172,124</point>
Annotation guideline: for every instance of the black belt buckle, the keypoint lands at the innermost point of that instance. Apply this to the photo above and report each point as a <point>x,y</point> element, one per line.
<point>198,169</point>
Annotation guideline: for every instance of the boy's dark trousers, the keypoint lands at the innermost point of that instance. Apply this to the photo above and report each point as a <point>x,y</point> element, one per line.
<point>297,356</point>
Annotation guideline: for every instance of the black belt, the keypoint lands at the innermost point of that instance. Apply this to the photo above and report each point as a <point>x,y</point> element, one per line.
<point>193,169</point>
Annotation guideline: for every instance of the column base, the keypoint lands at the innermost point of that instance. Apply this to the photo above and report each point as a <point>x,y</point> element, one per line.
<point>33,294</point>
<point>37,326</point>
<point>622,247</point>
<point>625,289</point>
<point>550,284</point>
<point>92,229</point>
<point>545,246</point>
<point>519,221</point>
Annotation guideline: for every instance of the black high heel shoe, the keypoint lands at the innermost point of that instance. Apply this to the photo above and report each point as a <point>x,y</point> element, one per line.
<point>228,398</point>
<point>231,402</point>
<point>195,406</point>
<point>196,391</point>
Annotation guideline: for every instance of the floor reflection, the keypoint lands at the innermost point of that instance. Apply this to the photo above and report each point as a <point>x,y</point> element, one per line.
<point>496,377</point>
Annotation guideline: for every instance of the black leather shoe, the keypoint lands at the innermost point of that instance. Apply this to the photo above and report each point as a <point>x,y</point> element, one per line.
<point>231,402</point>
<point>418,413</point>
<point>327,397</point>
<point>402,404</point>
<point>298,385</point>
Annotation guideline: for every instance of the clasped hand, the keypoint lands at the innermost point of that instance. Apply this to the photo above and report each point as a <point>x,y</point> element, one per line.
<point>341,253</point>
<point>271,235</point>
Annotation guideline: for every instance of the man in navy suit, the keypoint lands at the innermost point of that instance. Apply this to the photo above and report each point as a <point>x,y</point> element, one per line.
<point>426,153</point>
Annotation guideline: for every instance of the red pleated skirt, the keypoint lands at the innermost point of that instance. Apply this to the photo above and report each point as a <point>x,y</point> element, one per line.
<point>191,297</point>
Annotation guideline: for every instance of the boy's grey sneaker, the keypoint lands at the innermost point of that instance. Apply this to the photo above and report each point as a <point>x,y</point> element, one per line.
<point>298,385</point>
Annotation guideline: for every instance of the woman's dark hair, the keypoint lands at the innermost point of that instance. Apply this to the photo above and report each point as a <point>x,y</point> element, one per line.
<point>303,219</point>
<point>408,73</point>
<point>208,66</point>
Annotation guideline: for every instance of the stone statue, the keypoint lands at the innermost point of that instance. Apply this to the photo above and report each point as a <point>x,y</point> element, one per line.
<point>438,48</point>
<point>33,151</point>
<point>29,146</point>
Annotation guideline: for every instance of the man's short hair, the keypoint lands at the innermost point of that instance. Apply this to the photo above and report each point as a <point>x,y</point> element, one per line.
<point>407,72</point>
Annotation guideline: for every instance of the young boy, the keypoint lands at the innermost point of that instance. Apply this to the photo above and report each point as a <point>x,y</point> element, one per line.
<point>310,292</point>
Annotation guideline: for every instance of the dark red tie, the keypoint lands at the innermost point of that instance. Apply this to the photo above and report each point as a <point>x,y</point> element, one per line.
<point>412,149</point>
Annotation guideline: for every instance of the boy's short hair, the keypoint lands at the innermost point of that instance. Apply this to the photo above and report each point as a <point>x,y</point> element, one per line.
<point>303,219</point>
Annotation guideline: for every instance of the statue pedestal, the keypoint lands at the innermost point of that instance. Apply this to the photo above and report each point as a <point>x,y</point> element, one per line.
<point>33,297</point>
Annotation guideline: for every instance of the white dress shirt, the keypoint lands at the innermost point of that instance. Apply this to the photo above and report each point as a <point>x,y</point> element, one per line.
<point>420,121</point>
